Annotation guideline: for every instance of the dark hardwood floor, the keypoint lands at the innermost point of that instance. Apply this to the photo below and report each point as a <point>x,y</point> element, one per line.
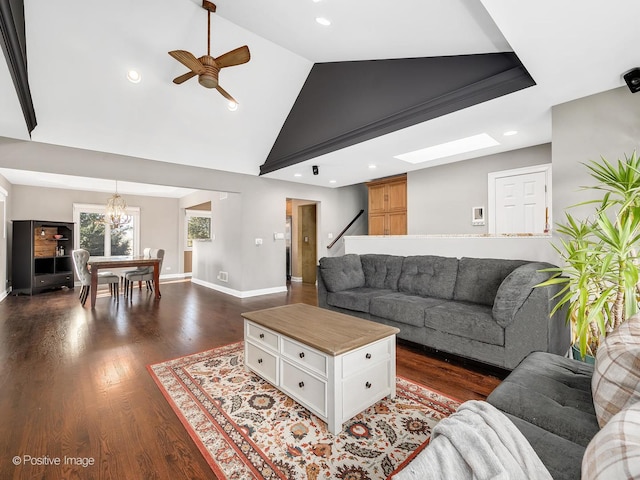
<point>73,382</point>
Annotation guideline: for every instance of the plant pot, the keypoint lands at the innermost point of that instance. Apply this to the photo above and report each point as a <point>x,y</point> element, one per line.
<point>575,353</point>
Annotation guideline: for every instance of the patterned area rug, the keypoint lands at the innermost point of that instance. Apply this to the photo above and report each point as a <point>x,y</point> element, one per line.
<point>246,428</point>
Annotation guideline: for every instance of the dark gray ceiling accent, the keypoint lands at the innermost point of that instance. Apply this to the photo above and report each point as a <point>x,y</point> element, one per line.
<point>344,103</point>
<point>14,48</point>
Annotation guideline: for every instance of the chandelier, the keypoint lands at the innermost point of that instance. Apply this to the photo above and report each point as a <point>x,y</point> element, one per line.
<point>116,212</point>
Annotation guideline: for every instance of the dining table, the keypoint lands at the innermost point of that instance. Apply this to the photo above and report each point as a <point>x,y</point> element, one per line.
<point>97,263</point>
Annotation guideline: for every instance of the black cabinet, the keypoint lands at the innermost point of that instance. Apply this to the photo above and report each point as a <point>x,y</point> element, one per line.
<point>41,256</point>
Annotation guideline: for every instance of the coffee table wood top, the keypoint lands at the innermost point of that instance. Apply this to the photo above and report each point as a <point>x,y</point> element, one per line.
<point>325,330</point>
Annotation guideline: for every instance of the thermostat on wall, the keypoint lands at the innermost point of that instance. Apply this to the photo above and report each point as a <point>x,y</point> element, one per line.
<point>477,216</point>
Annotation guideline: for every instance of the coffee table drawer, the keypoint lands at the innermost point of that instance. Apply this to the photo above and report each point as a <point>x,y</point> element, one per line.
<point>262,362</point>
<point>262,336</point>
<point>304,387</point>
<point>361,358</point>
<point>362,388</point>
<point>303,355</point>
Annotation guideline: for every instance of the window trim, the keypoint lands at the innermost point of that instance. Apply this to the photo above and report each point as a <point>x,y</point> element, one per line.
<point>94,208</point>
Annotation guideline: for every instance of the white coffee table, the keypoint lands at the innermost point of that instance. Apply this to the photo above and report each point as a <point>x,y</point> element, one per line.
<point>335,365</point>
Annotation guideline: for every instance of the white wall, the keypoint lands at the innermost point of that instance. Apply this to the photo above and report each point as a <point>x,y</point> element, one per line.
<point>440,198</point>
<point>5,237</point>
<point>524,248</point>
<point>158,216</point>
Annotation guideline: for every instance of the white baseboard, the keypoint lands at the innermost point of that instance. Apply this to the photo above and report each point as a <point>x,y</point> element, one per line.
<point>174,275</point>
<point>296,279</point>
<point>4,294</point>
<point>238,293</point>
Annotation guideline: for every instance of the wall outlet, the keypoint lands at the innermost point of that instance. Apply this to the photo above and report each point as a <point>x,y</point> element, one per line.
<point>167,268</point>
<point>258,241</point>
<point>223,276</point>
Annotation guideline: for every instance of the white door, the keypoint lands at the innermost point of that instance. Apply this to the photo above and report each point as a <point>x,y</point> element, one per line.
<point>521,203</point>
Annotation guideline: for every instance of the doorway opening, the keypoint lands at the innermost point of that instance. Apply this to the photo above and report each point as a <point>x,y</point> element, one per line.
<point>301,240</point>
<point>197,226</point>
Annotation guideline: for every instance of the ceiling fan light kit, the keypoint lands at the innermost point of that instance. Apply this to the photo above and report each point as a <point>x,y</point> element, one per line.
<point>207,67</point>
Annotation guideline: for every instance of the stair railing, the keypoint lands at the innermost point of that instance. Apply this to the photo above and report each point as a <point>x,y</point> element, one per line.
<point>345,229</point>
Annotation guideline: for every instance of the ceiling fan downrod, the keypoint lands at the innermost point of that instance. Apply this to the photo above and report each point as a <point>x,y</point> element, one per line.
<point>209,79</point>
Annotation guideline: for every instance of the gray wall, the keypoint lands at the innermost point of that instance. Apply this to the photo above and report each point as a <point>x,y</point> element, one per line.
<point>263,200</point>
<point>158,216</point>
<point>607,125</point>
<point>440,198</point>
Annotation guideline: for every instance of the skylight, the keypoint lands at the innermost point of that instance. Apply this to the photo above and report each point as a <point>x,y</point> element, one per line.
<point>455,147</point>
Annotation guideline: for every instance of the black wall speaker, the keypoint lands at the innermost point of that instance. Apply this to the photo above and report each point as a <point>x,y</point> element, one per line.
<point>633,80</point>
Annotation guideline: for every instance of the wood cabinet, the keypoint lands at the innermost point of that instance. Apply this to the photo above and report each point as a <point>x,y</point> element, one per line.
<point>41,256</point>
<point>388,206</point>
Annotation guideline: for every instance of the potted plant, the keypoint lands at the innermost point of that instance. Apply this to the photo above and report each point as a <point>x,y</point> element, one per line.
<point>599,277</point>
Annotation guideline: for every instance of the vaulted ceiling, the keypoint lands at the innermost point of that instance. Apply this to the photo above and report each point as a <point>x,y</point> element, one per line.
<point>79,53</point>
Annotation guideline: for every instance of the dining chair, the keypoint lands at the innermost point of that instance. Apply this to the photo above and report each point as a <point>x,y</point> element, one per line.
<point>80,260</point>
<point>143,276</point>
<point>123,274</point>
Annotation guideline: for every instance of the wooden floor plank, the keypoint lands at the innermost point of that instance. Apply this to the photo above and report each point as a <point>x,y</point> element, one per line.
<point>74,383</point>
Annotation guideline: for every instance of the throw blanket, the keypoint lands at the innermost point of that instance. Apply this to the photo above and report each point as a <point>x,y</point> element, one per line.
<point>476,442</point>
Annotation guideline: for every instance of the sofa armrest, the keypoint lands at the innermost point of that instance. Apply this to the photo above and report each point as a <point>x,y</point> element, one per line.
<point>515,289</point>
<point>322,289</point>
<point>533,328</point>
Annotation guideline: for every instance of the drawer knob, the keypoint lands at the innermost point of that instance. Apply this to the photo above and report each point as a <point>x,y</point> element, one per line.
<point>259,360</point>
<point>262,335</point>
<point>368,384</point>
<point>301,354</point>
<point>301,384</point>
<point>367,356</point>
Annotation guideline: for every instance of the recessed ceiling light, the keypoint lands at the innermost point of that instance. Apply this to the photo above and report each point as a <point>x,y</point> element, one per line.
<point>510,133</point>
<point>297,174</point>
<point>323,21</point>
<point>332,181</point>
<point>373,167</point>
<point>462,145</point>
<point>233,106</point>
<point>134,76</point>
<point>316,1</point>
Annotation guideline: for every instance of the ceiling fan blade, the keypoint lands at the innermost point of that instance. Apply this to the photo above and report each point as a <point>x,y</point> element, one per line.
<point>235,57</point>
<point>188,60</point>
<point>184,77</point>
<point>225,94</point>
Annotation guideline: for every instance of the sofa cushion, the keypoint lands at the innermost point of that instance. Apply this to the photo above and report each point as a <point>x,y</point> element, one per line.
<point>616,379</point>
<point>402,308</point>
<point>357,299</point>
<point>515,289</point>
<point>478,279</point>
<point>560,456</point>
<point>381,271</point>
<point>342,273</point>
<point>465,320</point>
<point>552,392</point>
<point>615,450</point>
<point>428,276</point>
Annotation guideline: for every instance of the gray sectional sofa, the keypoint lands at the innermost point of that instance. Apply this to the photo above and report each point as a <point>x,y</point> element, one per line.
<point>580,420</point>
<point>549,399</point>
<point>483,309</point>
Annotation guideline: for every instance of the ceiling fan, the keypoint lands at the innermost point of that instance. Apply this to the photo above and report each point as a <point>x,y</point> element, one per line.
<point>208,67</point>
